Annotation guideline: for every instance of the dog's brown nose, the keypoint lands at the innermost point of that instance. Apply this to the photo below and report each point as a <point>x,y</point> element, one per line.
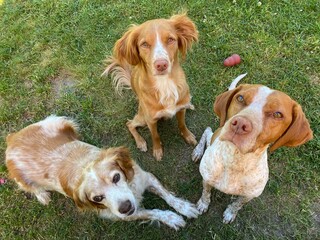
<point>126,208</point>
<point>241,125</point>
<point>161,65</point>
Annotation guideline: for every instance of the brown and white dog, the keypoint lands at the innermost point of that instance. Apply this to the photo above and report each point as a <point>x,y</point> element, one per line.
<point>47,156</point>
<point>235,162</point>
<point>146,59</point>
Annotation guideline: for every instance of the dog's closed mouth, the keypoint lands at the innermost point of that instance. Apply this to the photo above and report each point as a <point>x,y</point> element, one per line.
<point>131,211</point>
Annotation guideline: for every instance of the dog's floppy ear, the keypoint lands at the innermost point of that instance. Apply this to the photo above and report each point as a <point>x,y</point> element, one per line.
<point>79,197</point>
<point>82,201</point>
<point>126,48</point>
<point>222,104</point>
<point>82,204</point>
<point>186,31</point>
<point>124,161</point>
<point>297,133</point>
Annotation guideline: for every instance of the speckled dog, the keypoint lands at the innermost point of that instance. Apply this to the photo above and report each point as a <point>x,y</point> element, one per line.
<point>235,162</point>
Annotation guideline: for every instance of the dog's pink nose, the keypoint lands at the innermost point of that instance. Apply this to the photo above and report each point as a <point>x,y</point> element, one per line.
<point>241,125</point>
<point>161,65</point>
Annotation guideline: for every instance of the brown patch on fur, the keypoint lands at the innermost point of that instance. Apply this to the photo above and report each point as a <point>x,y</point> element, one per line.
<point>84,203</point>
<point>298,132</point>
<point>87,204</point>
<point>17,175</point>
<point>122,160</point>
<point>64,184</point>
<point>222,103</point>
<point>186,31</point>
<point>125,162</point>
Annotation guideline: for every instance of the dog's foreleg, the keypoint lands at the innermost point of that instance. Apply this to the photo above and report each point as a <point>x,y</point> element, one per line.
<point>203,143</point>
<point>156,142</point>
<point>167,217</point>
<point>182,206</point>
<point>231,212</point>
<point>204,201</point>
<point>138,121</point>
<point>185,132</point>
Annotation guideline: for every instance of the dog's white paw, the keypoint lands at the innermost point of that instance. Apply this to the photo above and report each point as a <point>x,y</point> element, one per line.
<point>229,215</point>
<point>187,209</point>
<point>173,220</point>
<point>202,206</point>
<point>197,153</point>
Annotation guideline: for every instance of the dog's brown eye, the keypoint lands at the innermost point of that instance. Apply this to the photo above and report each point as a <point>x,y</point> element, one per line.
<point>98,198</point>
<point>171,40</point>
<point>240,98</point>
<point>116,178</point>
<point>145,45</point>
<point>277,115</point>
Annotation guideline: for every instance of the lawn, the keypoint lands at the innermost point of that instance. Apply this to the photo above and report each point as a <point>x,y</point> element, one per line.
<point>51,59</point>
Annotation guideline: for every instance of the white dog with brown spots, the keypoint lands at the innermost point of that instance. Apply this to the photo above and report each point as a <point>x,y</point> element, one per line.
<point>235,162</point>
<point>47,156</point>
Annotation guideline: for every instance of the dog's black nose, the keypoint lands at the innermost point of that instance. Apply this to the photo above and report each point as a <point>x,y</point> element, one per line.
<point>126,208</point>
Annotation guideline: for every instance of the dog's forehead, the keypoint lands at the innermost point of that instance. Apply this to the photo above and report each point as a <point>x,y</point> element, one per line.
<point>266,98</point>
<point>254,93</point>
<point>280,100</point>
<point>154,27</point>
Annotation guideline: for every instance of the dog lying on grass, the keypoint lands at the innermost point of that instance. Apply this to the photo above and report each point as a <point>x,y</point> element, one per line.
<point>47,156</point>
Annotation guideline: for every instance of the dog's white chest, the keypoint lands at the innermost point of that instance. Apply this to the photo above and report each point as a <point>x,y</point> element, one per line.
<point>226,169</point>
<point>166,90</point>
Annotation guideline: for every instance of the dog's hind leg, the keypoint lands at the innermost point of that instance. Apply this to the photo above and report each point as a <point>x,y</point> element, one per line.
<point>42,195</point>
<point>203,143</point>
<point>182,206</point>
<point>138,121</point>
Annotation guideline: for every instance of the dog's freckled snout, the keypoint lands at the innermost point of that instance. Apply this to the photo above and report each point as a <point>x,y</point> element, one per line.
<point>161,65</point>
<point>126,208</point>
<point>241,125</point>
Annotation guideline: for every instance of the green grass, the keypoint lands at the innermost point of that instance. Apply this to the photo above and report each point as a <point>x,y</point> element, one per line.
<point>51,58</point>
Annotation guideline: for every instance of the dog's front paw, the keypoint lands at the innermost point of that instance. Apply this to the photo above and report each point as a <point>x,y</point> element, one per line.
<point>229,215</point>
<point>158,154</point>
<point>187,209</point>
<point>197,153</point>
<point>142,145</point>
<point>202,206</point>
<point>173,220</point>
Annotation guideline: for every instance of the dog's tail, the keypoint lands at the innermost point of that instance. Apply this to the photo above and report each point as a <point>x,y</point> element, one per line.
<point>234,83</point>
<point>120,74</point>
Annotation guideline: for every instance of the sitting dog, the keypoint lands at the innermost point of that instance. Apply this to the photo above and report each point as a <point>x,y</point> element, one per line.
<point>235,162</point>
<point>47,156</point>
<point>146,59</point>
